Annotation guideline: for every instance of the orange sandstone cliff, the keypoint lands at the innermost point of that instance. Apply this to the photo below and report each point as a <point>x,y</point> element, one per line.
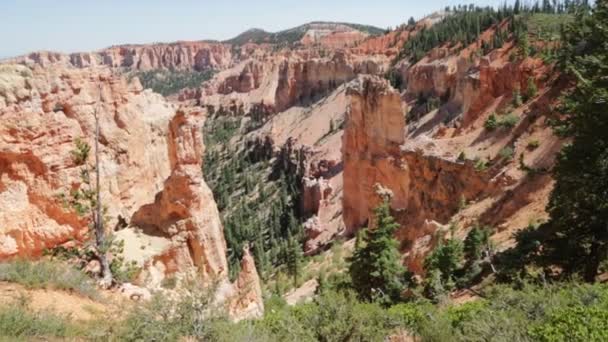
<point>152,185</point>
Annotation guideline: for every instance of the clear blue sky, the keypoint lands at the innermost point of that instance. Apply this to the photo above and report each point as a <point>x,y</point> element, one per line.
<point>84,25</point>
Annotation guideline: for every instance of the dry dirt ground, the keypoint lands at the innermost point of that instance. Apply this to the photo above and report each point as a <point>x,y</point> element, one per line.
<point>73,305</point>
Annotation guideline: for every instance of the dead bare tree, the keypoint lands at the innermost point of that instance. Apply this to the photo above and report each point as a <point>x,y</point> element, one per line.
<point>100,238</point>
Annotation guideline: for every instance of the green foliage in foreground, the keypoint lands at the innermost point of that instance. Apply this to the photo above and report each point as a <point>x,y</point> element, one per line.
<point>559,312</point>
<point>169,82</point>
<point>17,322</point>
<point>47,275</point>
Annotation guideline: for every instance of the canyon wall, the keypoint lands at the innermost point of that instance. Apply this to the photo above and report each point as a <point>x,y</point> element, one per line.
<point>45,111</point>
<point>424,188</point>
<point>177,56</point>
<point>157,202</point>
<point>279,82</point>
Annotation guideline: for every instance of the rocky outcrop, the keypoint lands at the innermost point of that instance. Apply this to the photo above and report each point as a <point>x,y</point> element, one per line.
<point>495,77</point>
<point>246,300</point>
<point>374,130</point>
<point>280,82</point>
<point>435,75</point>
<point>184,211</point>
<point>424,187</point>
<point>176,56</point>
<point>150,166</point>
<point>332,35</point>
<point>43,112</point>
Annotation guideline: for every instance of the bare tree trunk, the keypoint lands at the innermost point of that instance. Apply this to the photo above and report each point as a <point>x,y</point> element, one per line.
<point>100,240</point>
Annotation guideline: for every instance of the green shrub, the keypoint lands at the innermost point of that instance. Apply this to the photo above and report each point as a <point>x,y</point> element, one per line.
<point>573,324</point>
<point>517,100</point>
<point>533,144</point>
<point>508,121</point>
<point>506,153</point>
<point>491,123</point>
<point>122,271</point>
<point>17,321</point>
<point>481,165</point>
<point>48,274</point>
<point>531,89</point>
<point>408,315</point>
<point>467,312</point>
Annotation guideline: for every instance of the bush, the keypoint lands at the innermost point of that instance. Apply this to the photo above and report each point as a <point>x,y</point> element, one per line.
<point>491,123</point>
<point>533,145</point>
<point>408,315</point>
<point>481,165</point>
<point>18,322</point>
<point>574,324</point>
<point>517,100</point>
<point>506,153</point>
<point>167,319</point>
<point>48,274</point>
<point>332,316</point>
<point>508,121</point>
<point>531,90</point>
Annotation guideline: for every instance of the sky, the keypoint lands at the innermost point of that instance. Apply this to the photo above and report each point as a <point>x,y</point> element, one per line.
<point>87,25</point>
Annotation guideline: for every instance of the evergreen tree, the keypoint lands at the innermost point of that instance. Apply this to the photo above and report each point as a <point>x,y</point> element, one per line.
<point>523,45</point>
<point>475,243</point>
<point>294,260</point>
<point>375,268</point>
<point>517,100</point>
<point>531,89</point>
<point>578,205</point>
<point>446,258</point>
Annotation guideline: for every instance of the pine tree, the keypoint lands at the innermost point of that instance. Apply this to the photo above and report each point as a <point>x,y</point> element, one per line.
<point>523,45</point>
<point>375,268</point>
<point>578,205</point>
<point>516,100</point>
<point>446,258</point>
<point>475,242</point>
<point>531,89</point>
<point>294,260</point>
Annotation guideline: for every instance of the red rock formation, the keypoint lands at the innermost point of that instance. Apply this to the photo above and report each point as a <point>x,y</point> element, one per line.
<point>246,300</point>
<point>280,82</point>
<point>184,210</point>
<point>42,114</point>
<point>388,44</point>
<point>178,55</point>
<point>332,35</point>
<point>152,184</point>
<point>424,187</point>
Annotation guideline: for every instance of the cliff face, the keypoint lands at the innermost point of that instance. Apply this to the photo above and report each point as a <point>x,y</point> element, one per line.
<point>150,162</point>
<point>178,56</point>
<point>374,130</point>
<point>426,186</point>
<point>184,212</point>
<point>44,115</point>
<point>279,82</point>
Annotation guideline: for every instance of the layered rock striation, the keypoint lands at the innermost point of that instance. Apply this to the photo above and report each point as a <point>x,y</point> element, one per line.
<point>378,160</point>
<point>152,185</point>
<point>175,56</point>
